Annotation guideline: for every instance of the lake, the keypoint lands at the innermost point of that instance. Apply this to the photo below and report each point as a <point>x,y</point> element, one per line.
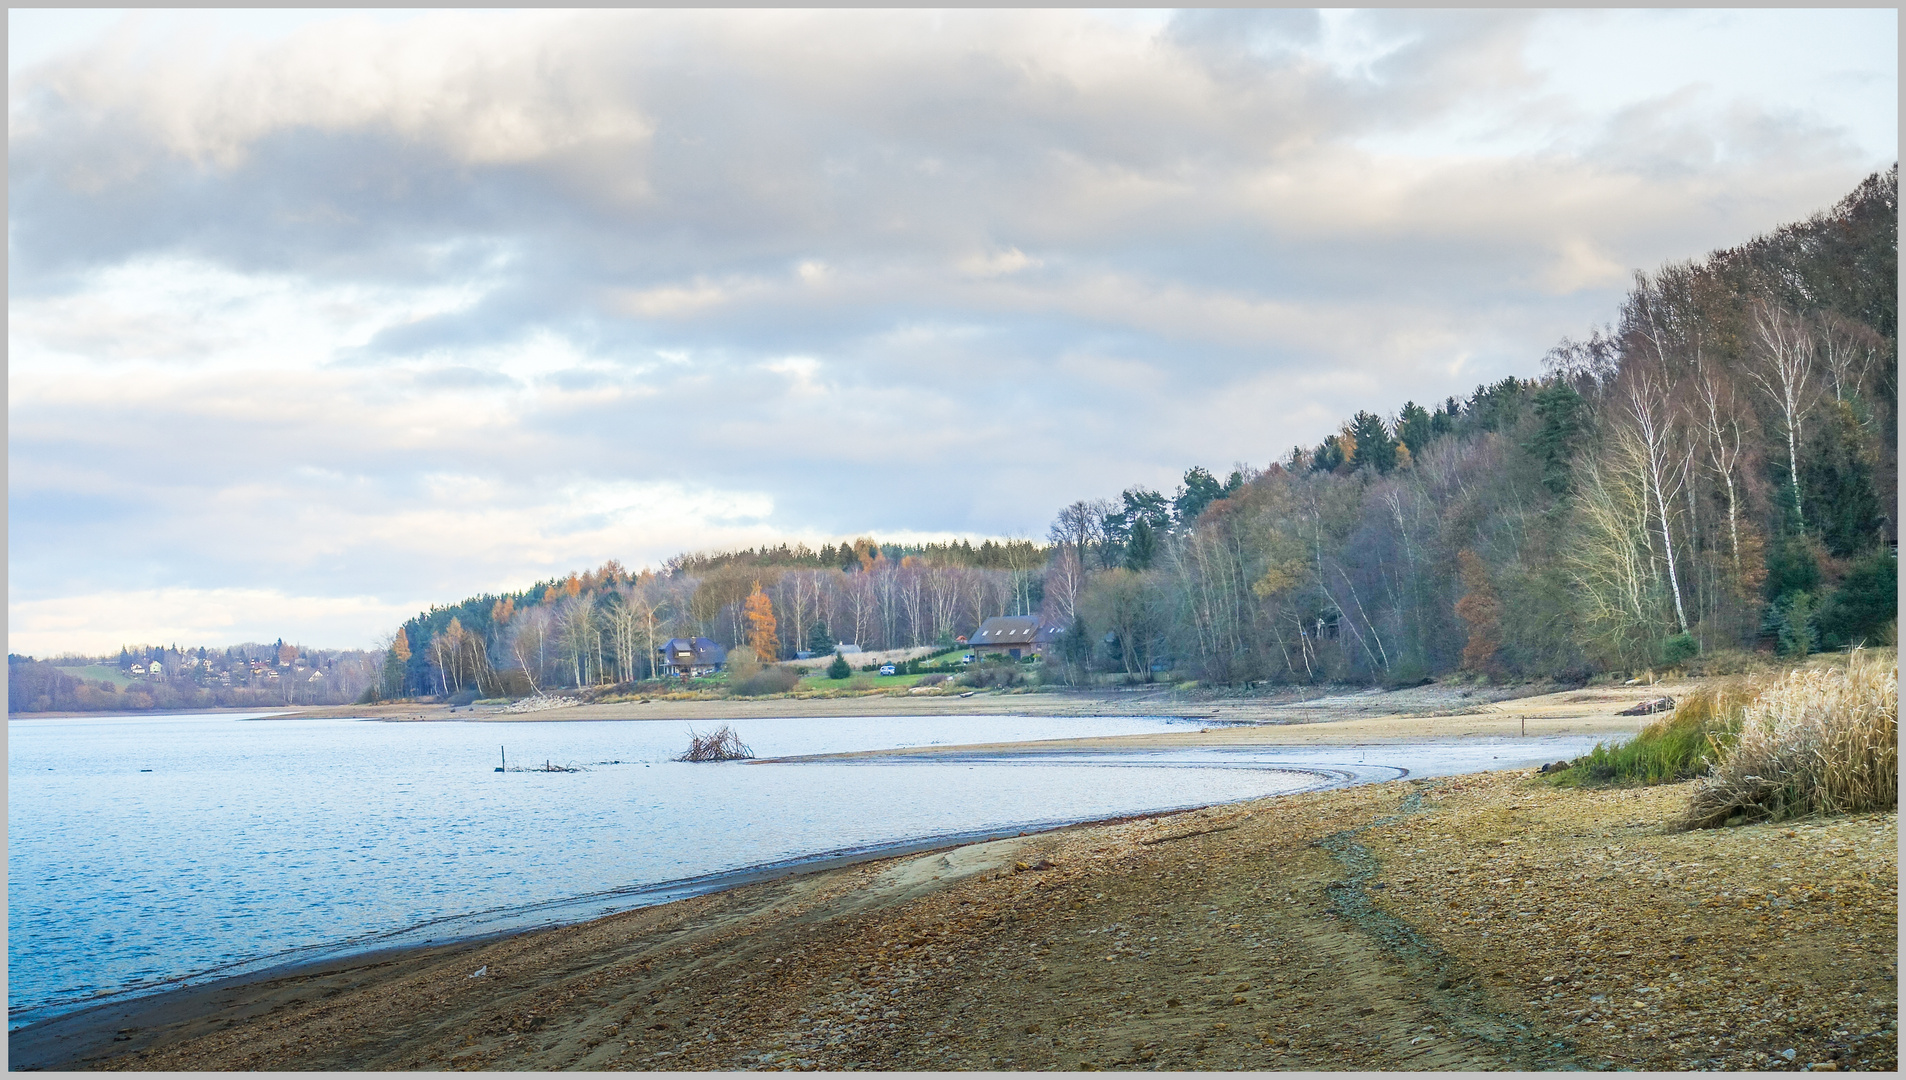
<point>142,850</point>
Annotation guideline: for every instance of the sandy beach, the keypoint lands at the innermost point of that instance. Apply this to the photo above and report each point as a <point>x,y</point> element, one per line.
<point>1477,922</point>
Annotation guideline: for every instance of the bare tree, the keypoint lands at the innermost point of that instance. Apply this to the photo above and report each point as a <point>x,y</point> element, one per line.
<point>624,615</point>
<point>912,598</point>
<point>1849,349</point>
<point>1784,369</point>
<point>1718,415</point>
<point>943,599</point>
<point>861,603</point>
<point>1065,581</point>
<point>1647,405</point>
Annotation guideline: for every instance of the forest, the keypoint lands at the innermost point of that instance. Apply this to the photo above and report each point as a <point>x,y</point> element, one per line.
<point>1712,473</point>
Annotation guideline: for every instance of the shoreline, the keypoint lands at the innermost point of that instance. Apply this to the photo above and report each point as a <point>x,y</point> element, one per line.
<point>69,1038</point>
<point>1475,922</point>
<point>1156,699</point>
<point>178,1024</point>
<point>1325,720</point>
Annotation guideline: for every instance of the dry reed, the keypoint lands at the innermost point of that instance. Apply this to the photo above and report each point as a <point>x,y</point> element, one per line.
<point>1819,741</point>
<point>721,744</point>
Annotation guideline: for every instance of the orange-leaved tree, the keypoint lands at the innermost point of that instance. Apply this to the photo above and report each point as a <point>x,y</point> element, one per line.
<point>1481,609</point>
<point>759,613</point>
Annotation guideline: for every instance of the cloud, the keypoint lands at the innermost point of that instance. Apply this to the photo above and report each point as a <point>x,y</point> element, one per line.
<point>101,622</point>
<point>407,308</point>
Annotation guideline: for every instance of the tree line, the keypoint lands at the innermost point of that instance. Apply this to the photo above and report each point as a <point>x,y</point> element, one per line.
<point>604,626</point>
<point>171,677</point>
<point>1715,470</point>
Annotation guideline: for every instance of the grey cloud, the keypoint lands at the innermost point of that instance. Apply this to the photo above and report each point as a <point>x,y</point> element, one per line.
<point>1039,265</point>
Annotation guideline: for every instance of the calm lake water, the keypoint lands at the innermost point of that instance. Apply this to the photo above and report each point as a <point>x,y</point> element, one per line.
<point>146,849</point>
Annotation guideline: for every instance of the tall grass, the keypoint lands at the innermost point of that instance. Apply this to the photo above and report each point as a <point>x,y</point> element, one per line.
<point>1821,740</point>
<point>1680,746</point>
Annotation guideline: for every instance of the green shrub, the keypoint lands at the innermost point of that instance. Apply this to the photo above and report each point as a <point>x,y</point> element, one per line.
<point>1793,619</point>
<point>840,668</point>
<point>1866,601</point>
<point>1679,649</point>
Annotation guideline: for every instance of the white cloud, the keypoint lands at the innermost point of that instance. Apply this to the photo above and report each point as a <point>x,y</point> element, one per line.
<point>396,308</point>
<point>102,621</point>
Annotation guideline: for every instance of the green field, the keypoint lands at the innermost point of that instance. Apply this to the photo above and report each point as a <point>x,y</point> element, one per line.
<point>877,682</point>
<point>96,672</point>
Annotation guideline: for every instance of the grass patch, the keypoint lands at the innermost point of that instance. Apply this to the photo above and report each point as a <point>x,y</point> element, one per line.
<point>1683,745</point>
<point>100,673</point>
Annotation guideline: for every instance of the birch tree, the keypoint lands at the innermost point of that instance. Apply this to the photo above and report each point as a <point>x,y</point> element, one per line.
<point>1783,367</point>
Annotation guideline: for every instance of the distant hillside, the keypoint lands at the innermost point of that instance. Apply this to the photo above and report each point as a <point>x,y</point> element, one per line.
<point>1713,472</point>
<point>149,677</point>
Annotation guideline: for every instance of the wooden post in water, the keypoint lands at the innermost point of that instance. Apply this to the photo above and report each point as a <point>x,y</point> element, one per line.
<point>506,759</point>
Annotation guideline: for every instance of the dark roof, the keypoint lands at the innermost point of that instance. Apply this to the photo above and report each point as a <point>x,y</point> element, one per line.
<point>1013,630</point>
<point>704,650</point>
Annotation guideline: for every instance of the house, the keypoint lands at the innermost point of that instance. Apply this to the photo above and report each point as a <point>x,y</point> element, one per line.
<point>1012,635</point>
<point>690,656</point>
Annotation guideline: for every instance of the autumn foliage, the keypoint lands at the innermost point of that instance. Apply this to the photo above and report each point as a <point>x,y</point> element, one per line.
<point>1481,611</point>
<point>758,612</point>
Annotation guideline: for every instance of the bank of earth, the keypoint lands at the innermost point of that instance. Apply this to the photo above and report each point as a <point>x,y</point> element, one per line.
<point>1480,922</point>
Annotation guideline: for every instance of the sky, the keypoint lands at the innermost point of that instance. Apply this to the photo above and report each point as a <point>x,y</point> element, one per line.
<point>318,318</point>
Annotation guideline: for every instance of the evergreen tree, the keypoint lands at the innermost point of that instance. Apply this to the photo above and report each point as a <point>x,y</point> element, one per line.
<point>1200,490</point>
<point>1141,547</point>
<point>1843,507</point>
<point>819,640</point>
<point>1558,407</point>
<point>1414,428</point>
<point>840,668</point>
<point>1328,457</point>
<point>1867,599</point>
<point>1375,447</point>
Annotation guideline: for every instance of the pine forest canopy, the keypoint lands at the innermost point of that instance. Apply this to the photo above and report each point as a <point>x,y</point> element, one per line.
<point>1714,470</point>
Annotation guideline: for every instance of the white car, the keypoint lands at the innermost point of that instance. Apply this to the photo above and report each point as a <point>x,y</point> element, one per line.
<point>968,658</point>
<point>886,669</point>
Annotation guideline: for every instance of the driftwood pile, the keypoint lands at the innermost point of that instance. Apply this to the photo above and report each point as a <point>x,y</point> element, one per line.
<point>721,744</point>
<point>1652,705</point>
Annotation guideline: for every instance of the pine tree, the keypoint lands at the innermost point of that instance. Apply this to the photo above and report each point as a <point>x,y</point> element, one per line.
<point>1375,447</point>
<point>1414,429</point>
<point>818,639</point>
